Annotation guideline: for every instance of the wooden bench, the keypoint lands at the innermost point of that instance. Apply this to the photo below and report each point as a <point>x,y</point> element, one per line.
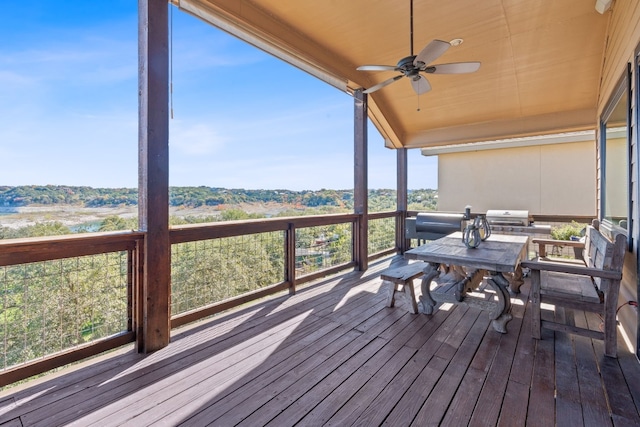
<point>403,276</point>
<point>591,283</point>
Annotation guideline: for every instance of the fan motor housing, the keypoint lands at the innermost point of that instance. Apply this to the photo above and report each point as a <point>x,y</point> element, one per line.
<point>406,66</point>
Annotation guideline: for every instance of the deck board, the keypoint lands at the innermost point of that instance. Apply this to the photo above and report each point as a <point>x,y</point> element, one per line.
<point>488,406</point>
<point>568,401</point>
<point>334,354</point>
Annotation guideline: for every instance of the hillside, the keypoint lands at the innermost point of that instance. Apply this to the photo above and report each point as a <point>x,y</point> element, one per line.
<point>194,197</point>
<point>46,210</point>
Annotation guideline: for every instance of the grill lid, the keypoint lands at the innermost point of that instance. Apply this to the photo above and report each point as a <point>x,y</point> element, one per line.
<point>439,222</point>
<point>508,217</point>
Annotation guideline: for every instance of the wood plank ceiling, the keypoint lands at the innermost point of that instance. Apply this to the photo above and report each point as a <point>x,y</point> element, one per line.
<point>541,60</point>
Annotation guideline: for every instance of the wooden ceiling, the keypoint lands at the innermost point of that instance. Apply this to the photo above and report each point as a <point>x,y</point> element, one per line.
<point>541,60</point>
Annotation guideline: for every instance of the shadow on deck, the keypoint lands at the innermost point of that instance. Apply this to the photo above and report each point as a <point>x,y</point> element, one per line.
<point>335,355</point>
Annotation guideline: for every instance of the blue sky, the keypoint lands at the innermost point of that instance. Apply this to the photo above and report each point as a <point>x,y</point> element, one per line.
<point>242,119</point>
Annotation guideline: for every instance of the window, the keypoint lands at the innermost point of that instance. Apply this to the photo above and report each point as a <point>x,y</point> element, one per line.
<point>615,140</point>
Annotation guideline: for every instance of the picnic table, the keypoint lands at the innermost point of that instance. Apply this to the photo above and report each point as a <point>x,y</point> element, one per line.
<point>452,264</point>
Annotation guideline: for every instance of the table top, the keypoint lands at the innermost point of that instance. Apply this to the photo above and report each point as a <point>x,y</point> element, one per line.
<point>499,253</point>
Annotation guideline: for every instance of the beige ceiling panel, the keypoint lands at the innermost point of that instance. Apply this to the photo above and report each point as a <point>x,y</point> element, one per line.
<point>541,59</point>
<point>533,15</point>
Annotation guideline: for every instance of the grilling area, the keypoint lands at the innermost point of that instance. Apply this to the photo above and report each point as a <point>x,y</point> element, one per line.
<point>426,226</point>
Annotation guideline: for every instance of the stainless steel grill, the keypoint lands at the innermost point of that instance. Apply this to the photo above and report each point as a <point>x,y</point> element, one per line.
<point>508,217</point>
<point>514,221</point>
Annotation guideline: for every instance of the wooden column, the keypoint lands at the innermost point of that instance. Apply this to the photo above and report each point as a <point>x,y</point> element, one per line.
<point>290,257</point>
<point>360,189</point>
<point>402,187</point>
<point>153,171</point>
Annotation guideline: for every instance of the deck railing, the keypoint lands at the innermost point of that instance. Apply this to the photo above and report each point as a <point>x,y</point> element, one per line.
<point>64,299</point>
<point>382,234</point>
<point>67,298</point>
<point>231,263</point>
<point>71,297</point>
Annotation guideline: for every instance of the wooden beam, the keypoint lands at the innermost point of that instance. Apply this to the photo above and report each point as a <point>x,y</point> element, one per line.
<point>401,195</point>
<point>360,190</point>
<point>153,171</point>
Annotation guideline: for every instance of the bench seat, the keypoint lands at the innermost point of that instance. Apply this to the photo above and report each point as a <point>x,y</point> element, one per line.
<point>403,276</point>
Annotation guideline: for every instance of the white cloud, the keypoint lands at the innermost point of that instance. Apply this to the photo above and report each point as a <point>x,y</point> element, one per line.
<point>193,138</point>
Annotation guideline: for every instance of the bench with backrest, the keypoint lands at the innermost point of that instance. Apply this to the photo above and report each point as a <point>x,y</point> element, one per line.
<point>591,283</point>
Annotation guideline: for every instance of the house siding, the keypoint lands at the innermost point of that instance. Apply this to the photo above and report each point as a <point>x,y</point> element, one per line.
<point>622,40</point>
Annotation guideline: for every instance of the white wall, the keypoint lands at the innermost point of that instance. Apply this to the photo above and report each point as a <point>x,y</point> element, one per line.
<point>554,179</point>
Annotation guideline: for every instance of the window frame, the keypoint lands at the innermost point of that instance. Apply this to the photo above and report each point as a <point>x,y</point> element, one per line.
<point>623,87</point>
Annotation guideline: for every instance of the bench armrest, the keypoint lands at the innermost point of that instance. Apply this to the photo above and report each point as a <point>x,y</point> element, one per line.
<point>571,269</point>
<point>542,244</point>
<point>572,243</point>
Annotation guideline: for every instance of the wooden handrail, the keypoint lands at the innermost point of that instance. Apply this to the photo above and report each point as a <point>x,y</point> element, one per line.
<point>36,249</point>
<point>215,230</point>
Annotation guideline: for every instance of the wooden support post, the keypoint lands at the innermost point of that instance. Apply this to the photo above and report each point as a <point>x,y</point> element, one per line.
<point>153,171</point>
<point>402,188</point>
<point>290,258</point>
<point>360,190</point>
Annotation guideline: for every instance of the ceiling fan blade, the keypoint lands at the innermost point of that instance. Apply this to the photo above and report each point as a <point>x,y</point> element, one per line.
<point>420,85</point>
<point>376,68</point>
<point>454,68</point>
<point>383,84</point>
<point>431,52</point>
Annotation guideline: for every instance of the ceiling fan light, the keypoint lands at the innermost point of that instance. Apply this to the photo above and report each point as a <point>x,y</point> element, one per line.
<point>456,42</point>
<point>603,6</point>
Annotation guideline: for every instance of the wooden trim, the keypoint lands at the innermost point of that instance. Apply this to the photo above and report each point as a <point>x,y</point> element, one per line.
<point>325,272</point>
<point>195,232</point>
<point>319,220</point>
<point>402,198</point>
<point>382,254</point>
<point>572,269</point>
<point>139,295</point>
<point>75,354</point>
<point>37,249</point>
<point>290,258</point>
<point>153,170</point>
<point>635,226</point>
<point>200,313</point>
<point>382,215</point>
<point>582,219</point>
<point>572,330</point>
<point>131,289</point>
<point>621,88</point>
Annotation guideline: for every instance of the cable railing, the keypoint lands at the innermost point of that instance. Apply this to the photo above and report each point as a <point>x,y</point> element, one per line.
<point>218,266</point>
<point>64,299</point>
<point>71,297</point>
<point>382,234</point>
<point>205,272</point>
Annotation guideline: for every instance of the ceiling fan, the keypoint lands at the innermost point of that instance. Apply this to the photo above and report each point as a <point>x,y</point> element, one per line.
<point>412,65</point>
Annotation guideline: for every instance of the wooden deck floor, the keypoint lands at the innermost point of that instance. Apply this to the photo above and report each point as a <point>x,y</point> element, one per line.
<point>335,355</point>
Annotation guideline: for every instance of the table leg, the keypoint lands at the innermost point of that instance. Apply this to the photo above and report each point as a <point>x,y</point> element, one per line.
<point>500,314</point>
<point>516,281</point>
<point>430,272</point>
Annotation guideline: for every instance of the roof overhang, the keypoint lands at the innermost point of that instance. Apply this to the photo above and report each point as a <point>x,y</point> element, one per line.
<point>562,138</point>
<point>541,60</point>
